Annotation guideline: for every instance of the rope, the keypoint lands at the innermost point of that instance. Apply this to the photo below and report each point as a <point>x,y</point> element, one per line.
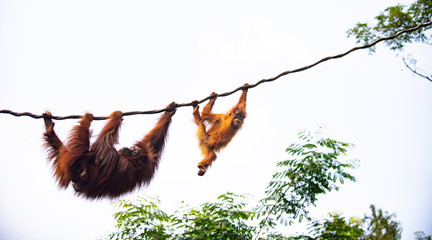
<point>35,116</point>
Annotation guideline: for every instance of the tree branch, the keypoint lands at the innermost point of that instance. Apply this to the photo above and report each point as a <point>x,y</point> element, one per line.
<point>415,71</point>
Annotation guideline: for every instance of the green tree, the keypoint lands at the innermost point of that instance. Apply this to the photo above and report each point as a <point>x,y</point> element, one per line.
<point>378,225</point>
<point>420,235</point>
<point>141,219</point>
<point>394,19</point>
<point>336,227</point>
<point>226,219</point>
<point>314,168</point>
<point>381,225</point>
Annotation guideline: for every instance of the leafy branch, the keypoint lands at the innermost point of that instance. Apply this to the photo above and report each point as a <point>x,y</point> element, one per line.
<point>393,20</point>
<point>313,169</point>
<point>413,68</point>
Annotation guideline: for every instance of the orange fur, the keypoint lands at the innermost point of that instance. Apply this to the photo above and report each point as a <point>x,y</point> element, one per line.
<point>99,170</point>
<point>222,128</point>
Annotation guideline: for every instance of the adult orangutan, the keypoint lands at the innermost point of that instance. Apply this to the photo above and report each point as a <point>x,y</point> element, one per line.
<point>98,170</point>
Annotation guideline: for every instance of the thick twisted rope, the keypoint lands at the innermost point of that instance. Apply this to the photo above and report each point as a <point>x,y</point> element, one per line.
<point>28,114</point>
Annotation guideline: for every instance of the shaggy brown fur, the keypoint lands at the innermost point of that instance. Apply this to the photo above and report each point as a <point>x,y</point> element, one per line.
<point>222,128</point>
<point>99,170</point>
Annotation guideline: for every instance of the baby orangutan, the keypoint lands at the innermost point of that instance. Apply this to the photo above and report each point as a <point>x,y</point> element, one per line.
<point>98,170</point>
<point>222,128</point>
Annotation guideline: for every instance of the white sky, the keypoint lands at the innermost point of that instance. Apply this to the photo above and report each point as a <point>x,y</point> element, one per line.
<point>70,57</point>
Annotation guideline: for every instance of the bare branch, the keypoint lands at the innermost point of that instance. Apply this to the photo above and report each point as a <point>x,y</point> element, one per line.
<point>415,70</point>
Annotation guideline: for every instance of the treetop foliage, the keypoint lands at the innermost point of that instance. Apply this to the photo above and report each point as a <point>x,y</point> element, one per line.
<point>315,167</point>
<point>394,19</point>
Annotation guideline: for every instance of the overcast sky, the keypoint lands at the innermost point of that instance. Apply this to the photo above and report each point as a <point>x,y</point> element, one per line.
<point>70,57</point>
